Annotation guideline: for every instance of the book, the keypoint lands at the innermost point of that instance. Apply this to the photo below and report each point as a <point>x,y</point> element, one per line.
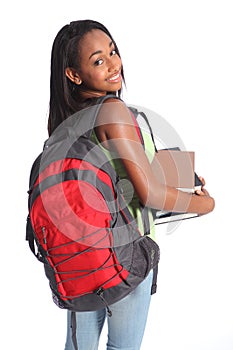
<point>175,168</point>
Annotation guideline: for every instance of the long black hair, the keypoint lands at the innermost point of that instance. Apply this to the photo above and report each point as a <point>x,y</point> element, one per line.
<point>65,98</point>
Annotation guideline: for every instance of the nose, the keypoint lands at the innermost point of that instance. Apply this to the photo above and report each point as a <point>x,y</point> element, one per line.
<point>114,65</point>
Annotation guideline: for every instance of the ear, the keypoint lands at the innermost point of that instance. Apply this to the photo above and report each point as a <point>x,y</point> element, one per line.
<point>73,75</point>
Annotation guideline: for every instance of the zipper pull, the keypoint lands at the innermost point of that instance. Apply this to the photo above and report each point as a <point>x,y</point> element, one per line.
<point>44,234</point>
<point>100,294</point>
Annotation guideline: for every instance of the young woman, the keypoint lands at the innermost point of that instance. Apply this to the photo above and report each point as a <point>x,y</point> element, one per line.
<point>86,65</point>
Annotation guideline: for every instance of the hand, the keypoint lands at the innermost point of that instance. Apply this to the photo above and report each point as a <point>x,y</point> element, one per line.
<point>203,191</point>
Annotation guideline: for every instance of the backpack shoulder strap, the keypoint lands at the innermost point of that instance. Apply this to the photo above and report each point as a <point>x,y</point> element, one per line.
<point>79,124</point>
<point>29,235</point>
<point>30,238</point>
<point>137,113</point>
<point>91,118</point>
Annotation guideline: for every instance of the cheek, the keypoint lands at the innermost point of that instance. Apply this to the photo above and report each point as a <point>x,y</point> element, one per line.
<point>119,62</point>
<point>98,75</point>
<point>95,77</point>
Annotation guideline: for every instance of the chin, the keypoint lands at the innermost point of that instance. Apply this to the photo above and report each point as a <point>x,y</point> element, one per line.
<point>115,88</point>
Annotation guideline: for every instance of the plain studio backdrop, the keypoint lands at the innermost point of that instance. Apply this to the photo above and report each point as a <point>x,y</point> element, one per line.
<point>177,58</point>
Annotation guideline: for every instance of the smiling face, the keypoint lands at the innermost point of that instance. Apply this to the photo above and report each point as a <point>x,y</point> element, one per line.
<point>100,66</point>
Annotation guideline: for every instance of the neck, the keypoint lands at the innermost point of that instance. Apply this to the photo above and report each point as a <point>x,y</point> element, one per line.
<point>87,94</point>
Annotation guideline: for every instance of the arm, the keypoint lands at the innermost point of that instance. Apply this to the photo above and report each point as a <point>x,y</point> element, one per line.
<point>115,129</point>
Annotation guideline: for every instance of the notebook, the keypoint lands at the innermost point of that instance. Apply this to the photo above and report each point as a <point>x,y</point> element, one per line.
<point>175,168</point>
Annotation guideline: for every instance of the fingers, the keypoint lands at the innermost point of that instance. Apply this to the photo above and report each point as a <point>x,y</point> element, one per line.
<point>202,192</point>
<point>202,180</point>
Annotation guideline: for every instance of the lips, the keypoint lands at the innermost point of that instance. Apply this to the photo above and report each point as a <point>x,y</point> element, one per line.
<point>116,78</point>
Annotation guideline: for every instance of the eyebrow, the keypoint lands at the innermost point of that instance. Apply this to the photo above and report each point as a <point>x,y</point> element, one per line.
<point>99,51</point>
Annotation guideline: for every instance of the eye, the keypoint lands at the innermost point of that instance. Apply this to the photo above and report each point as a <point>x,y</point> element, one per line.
<point>98,62</point>
<point>113,52</point>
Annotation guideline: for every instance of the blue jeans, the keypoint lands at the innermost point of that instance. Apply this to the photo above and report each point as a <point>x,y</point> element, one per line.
<point>125,327</point>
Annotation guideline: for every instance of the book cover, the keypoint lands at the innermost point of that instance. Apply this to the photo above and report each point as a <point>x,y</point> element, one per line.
<point>175,168</point>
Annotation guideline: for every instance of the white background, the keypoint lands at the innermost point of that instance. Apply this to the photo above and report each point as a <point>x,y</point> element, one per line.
<point>178,60</point>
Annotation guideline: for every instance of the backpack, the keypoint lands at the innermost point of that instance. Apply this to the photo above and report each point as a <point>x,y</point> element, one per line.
<point>78,223</point>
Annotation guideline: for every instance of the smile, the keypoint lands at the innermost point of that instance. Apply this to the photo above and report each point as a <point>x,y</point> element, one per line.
<point>115,78</point>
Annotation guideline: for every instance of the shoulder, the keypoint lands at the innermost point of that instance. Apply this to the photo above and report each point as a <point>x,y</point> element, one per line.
<point>114,111</point>
<point>115,121</point>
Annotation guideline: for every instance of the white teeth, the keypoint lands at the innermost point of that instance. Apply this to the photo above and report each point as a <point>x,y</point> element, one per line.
<point>115,77</point>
